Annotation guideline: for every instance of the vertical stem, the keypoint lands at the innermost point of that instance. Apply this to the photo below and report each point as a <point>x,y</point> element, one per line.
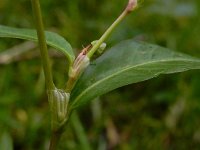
<point>45,61</point>
<point>56,135</point>
<point>54,140</point>
<point>42,44</point>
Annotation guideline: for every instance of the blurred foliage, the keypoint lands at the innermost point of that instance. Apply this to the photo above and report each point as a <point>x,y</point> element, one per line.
<point>159,114</point>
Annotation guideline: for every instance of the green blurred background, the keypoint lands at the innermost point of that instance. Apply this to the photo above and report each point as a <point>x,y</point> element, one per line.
<point>159,114</point>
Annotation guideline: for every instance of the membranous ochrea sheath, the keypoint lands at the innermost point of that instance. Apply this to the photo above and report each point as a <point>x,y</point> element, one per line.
<point>58,100</point>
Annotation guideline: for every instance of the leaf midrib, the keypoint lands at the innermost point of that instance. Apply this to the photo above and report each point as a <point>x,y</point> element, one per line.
<point>125,69</point>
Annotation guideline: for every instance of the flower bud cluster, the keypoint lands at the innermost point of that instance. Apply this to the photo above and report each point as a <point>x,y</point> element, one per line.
<point>132,4</point>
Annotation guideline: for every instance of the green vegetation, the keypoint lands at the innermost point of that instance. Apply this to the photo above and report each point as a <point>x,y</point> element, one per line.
<point>161,113</point>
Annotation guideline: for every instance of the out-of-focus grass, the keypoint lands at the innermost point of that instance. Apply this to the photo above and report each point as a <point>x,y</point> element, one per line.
<point>162,113</point>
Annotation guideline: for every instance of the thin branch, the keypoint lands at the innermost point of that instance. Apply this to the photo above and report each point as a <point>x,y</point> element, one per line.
<point>132,5</point>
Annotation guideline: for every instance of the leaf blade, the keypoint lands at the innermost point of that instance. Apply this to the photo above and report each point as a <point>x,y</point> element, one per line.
<point>54,40</point>
<point>126,63</point>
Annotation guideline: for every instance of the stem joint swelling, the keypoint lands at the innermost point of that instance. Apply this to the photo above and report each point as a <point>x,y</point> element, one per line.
<point>58,100</point>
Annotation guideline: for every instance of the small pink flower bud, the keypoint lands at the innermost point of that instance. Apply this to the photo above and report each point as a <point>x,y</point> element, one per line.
<point>132,4</point>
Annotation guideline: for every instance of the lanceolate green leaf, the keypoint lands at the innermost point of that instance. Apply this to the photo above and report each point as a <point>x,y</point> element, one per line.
<point>52,39</point>
<point>126,63</point>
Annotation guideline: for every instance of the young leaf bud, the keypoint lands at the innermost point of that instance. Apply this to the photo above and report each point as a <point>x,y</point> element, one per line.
<point>101,48</point>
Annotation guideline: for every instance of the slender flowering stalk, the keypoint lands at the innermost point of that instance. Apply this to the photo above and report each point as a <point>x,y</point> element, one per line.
<point>132,5</point>
<point>83,59</point>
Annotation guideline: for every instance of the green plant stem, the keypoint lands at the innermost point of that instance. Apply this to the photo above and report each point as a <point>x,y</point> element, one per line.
<point>42,44</point>
<point>54,140</point>
<point>70,84</point>
<point>57,133</point>
<point>107,33</point>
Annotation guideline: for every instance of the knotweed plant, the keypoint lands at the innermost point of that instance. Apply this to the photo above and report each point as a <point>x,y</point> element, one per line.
<point>125,63</point>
